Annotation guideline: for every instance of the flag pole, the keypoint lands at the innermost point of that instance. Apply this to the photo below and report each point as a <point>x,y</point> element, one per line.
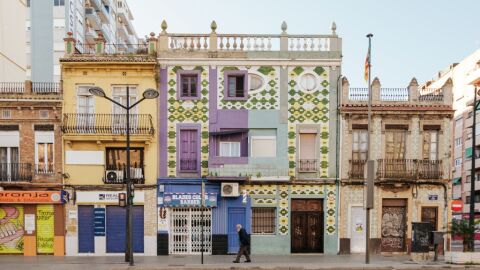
<point>367,233</point>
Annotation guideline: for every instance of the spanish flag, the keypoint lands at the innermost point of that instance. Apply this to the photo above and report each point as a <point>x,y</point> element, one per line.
<point>367,63</point>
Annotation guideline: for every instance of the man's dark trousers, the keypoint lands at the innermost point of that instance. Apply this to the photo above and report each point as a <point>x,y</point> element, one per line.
<point>243,251</point>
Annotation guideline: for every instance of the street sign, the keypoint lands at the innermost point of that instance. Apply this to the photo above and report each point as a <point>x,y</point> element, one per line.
<point>457,206</point>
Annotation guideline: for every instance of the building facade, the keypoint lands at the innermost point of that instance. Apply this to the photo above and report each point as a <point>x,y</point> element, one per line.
<point>464,76</point>
<point>12,50</point>
<point>252,118</point>
<point>86,20</point>
<point>31,195</point>
<point>94,157</point>
<point>410,144</point>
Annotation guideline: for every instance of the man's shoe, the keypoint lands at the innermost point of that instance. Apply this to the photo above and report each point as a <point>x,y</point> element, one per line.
<point>248,261</point>
<point>235,261</point>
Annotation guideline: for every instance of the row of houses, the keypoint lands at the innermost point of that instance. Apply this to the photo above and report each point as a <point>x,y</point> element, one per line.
<point>266,123</point>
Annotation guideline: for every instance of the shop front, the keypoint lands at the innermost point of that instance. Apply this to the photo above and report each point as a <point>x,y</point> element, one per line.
<point>32,222</point>
<point>96,225</point>
<point>181,220</point>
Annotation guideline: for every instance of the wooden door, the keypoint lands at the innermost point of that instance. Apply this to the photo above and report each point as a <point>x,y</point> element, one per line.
<point>307,226</point>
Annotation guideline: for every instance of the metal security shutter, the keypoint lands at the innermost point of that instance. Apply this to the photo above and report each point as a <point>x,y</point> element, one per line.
<point>116,229</point>
<point>185,231</point>
<point>86,236</point>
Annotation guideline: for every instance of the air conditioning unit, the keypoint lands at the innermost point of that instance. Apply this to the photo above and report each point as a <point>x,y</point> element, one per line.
<point>230,190</point>
<point>113,176</point>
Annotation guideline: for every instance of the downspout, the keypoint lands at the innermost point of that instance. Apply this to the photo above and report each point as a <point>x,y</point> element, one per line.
<point>337,160</point>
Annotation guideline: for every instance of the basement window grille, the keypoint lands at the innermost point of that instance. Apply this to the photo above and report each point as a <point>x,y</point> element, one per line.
<point>6,114</point>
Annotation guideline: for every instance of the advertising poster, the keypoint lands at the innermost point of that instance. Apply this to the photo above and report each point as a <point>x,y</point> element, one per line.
<point>11,229</point>
<point>45,227</point>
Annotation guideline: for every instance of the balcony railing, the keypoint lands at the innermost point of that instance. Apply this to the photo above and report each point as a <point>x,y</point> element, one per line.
<point>12,87</point>
<point>117,174</point>
<point>357,169</point>
<point>409,169</point>
<point>44,168</point>
<point>248,170</point>
<point>307,165</point>
<point>112,49</point>
<point>45,87</point>
<point>107,123</point>
<point>37,87</point>
<point>16,172</point>
<point>188,164</point>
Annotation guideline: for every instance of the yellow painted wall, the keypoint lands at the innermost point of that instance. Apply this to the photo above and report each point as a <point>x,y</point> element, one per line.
<point>106,75</point>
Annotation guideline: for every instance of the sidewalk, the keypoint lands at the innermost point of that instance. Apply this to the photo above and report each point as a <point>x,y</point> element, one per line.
<point>316,261</point>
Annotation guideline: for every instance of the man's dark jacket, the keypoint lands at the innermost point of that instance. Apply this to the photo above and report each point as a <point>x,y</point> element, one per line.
<point>243,236</point>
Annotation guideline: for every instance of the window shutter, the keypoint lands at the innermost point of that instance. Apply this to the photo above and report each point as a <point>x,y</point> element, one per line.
<point>307,146</point>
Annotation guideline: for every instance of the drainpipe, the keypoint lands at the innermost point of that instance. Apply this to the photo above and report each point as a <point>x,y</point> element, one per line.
<point>337,160</point>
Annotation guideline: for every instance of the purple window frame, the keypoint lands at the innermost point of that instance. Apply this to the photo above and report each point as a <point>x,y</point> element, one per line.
<point>181,73</point>
<point>235,73</point>
<point>186,127</point>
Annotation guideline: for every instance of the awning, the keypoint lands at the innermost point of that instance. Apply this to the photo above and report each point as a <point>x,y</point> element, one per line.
<point>457,181</point>
<point>468,152</point>
<point>228,132</point>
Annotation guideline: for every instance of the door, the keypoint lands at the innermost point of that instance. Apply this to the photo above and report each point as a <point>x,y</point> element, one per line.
<point>357,229</point>
<point>85,109</point>
<point>236,215</point>
<point>188,150</point>
<point>185,236</point>
<point>10,168</point>
<point>86,231</point>
<point>307,226</point>
<point>116,229</point>
<point>393,225</point>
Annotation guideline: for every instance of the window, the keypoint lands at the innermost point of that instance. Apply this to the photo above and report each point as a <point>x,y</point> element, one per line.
<point>85,100</point>
<point>458,122</point>
<point>477,176</point>
<point>59,2</point>
<point>308,161</point>
<point>476,198</point>
<point>458,162</point>
<point>44,151</point>
<point>117,161</point>
<point>264,146</point>
<point>430,144</point>
<point>6,114</point>
<point>188,150</point>
<point>230,149</point>
<point>263,220</point>
<point>119,120</point>
<point>395,144</point>
<point>359,147</point>
<point>458,142</point>
<point>189,85</point>
<point>235,85</point>
<point>10,168</point>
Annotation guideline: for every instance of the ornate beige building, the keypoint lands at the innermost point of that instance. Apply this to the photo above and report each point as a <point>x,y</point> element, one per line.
<point>410,143</point>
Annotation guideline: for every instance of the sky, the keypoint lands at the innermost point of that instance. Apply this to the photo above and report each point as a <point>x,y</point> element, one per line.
<point>412,38</point>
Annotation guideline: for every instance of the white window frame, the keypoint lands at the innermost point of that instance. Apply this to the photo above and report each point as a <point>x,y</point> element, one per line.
<point>458,162</point>
<point>230,146</point>
<point>263,138</point>
<point>85,94</point>
<point>44,137</point>
<point>458,142</point>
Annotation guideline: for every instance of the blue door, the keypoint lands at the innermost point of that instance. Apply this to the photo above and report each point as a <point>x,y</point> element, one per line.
<point>236,215</point>
<point>116,229</point>
<point>86,232</point>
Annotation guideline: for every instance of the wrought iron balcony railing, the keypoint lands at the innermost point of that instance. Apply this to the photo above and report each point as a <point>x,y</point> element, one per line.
<point>84,123</point>
<point>117,174</point>
<point>409,169</point>
<point>307,165</point>
<point>430,169</point>
<point>44,168</point>
<point>16,172</point>
<point>357,169</point>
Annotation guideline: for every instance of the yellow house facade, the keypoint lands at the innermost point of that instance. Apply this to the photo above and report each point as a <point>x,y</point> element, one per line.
<point>94,156</point>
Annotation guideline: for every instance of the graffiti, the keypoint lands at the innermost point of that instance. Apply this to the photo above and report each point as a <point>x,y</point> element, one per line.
<point>45,219</point>
<point>11,229</point>
<point>393,228</point>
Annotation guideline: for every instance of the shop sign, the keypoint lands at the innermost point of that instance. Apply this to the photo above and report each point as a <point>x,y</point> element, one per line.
<point>189,199</point>
<point>105,197</point>
<point>36,197</point>
<point>99,221</point>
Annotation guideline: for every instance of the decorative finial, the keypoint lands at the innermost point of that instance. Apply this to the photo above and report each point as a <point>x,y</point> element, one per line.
<point>345,80</point>
<point>413,82</point>
<point>376,81</point>
<point>284,27</point>
<point>449,82</point>
<point>152,34</point>
<point>164,27</point>
<point>213,26</point>
<point>334,28</point>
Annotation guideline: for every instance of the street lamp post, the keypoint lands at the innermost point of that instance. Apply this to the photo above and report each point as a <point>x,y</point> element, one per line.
<point>148,94</point>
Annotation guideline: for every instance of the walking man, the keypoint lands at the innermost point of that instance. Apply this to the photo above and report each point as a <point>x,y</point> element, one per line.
<point>244,244</point>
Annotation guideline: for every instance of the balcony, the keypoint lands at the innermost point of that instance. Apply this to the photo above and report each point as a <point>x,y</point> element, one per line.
<point>44,168</point>
<point>93,18</point>
<point>250,171</point>
<point>357,169</point>
<point>117,174</point>
<point>15,172</point>
<point>409,169</point>
<point>29,87</point>
<point>78,123</point>
<point>307,165</point>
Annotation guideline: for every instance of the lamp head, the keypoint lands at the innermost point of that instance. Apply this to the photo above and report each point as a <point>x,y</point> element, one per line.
<point>150,94</point>
<point>97,91</point>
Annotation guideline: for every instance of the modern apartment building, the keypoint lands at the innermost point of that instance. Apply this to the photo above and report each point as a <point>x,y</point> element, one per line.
<point>252,119</point>
<point>410,144</point>
<point>94,141</point>
<point>465,77</point>
<point>31,195</point>
<point>86,20</point>
<point>12,50</point>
